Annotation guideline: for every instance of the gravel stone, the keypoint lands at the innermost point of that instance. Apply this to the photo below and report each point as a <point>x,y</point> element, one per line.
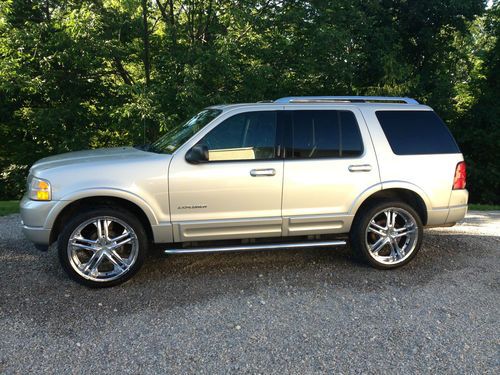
<point>323,312</point>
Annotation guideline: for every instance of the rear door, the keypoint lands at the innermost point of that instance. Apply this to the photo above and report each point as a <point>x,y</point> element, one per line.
<point>329,163</point>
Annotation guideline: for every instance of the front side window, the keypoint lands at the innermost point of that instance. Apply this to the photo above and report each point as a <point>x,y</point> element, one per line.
<point>324,134</point>
<point>245,136</point>
<point>177,136</point>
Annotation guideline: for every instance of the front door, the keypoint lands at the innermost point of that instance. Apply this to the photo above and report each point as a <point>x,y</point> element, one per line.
<point>237,192</point>
<point>329,163</point>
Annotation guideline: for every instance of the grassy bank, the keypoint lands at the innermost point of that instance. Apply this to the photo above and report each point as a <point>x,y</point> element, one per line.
<point>484,207</point>
<point>9,207</point>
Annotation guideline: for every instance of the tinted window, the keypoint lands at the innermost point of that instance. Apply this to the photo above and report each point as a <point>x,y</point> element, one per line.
<point>245,136</point>
<point>416,132</point>
<point>324,134</point>
<point>176,137</point>
<point>351,138</point>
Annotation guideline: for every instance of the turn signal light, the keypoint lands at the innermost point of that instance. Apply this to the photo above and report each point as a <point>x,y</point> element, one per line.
<point>39,190</point>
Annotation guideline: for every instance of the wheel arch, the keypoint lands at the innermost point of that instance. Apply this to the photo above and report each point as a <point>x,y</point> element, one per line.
<point>407,193</point>
<point>67,208</point>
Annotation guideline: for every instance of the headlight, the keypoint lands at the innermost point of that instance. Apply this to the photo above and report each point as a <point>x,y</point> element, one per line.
<point>39,190</point>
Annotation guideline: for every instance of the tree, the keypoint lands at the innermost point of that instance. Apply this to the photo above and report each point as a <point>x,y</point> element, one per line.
<point>91,73</point>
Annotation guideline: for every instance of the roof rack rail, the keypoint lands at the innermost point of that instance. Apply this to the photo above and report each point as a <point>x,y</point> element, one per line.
<point>346,99</point>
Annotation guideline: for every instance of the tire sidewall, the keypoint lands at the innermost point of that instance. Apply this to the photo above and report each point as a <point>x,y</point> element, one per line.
<point>358,232</point>
<point>119,213</point>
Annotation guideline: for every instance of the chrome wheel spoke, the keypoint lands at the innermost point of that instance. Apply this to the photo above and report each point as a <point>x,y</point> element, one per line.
<point>82,246</point>
<point>106,228</point>
<point>375,229</point>
<point>387,218</point>
<point>92,265</point>
<point>117,260</point>
<point>399,253</point>
<point>121,243</point>
<point>122,236</point>
<point>85,240</point>
<point>374,224</point>
<point>393,219</point>
<point>97,223</point>
<point>405,233</point>
<point>377,246</point>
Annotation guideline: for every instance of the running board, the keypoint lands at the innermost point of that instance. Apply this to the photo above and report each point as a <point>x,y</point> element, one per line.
<point>292,245</point>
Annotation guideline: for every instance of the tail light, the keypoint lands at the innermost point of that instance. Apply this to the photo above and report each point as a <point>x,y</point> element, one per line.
<point>460,176</point>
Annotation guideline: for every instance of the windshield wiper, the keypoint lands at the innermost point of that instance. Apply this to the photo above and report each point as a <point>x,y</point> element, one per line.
<point>144,147</point>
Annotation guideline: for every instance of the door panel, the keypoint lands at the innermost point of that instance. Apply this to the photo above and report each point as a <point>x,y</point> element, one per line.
<point>321,183</point>
<point>237,193</point>
<point>223,196</point>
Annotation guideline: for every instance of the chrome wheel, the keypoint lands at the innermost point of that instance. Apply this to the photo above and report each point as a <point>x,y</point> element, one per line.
<point>102,248</point>
<point>391,235</point>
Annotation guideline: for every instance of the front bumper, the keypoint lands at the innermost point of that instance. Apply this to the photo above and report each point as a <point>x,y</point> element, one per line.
<point>34,220</point>
<point>37,235</point>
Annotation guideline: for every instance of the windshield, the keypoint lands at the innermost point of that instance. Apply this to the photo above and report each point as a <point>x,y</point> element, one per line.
<point>177,136</point>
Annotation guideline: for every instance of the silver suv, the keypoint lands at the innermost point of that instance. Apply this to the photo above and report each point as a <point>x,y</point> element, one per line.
<point>298,172</point>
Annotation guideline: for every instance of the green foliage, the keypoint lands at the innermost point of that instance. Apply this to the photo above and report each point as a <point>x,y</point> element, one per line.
<point>91,73</point>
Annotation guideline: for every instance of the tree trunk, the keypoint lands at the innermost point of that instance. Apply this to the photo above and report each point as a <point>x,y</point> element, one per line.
<point>145,39</point>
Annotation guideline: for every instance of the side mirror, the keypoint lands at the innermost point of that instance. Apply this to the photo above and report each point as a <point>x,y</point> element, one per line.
<point>197,154</point>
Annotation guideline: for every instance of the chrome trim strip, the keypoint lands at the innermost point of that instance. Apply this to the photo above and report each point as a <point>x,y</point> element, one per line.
<point>293,245</point>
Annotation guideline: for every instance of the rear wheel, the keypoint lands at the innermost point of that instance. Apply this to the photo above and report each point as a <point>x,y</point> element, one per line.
<point>387,234</point>
<point>102,247</point>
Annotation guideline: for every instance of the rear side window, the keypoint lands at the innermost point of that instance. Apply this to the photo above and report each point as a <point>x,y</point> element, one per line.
<point>416,133</point>
<point>323,134</point>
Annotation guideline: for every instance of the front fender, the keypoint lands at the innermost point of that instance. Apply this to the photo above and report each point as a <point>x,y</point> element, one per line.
<point>100,192</point>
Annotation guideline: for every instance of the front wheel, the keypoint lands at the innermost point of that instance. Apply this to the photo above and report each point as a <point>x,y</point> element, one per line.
<point>387,234</point>
<point>102,247</point>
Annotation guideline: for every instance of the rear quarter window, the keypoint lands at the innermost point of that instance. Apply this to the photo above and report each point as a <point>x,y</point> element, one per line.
<point>416,133</point>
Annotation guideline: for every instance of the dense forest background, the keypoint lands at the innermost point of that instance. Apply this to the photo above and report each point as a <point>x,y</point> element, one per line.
<point>78,74</point>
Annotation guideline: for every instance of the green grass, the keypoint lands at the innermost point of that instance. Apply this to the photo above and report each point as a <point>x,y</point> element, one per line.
<point>484,207</point>
<point>9,207</point>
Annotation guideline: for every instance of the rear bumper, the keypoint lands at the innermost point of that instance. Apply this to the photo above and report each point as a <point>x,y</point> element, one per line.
<point>456,210</point>
<point>458,205</point>
<point>456,214</point>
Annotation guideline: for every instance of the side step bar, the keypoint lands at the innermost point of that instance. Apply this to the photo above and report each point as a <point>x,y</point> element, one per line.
<point>291,245</point>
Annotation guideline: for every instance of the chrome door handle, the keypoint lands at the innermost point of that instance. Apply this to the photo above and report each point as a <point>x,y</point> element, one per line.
<point>360,168</point>
<point>262,172</point>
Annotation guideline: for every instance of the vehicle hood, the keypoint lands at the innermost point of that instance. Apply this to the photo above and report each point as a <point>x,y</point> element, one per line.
<point>108,169</point>
<point>100,155</point>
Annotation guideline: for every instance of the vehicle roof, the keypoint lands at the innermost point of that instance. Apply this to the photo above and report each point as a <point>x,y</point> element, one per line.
<point>376,102</point>
<point>227,107</point>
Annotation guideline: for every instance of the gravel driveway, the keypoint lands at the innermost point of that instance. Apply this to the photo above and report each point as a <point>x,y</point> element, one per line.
<point>300,311</point>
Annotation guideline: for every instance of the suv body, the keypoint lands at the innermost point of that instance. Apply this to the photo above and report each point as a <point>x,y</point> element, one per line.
<point>297,168</point>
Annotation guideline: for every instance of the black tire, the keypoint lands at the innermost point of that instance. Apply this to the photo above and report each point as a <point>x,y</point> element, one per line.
<point>139,236</point>
<point>359,239</point>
